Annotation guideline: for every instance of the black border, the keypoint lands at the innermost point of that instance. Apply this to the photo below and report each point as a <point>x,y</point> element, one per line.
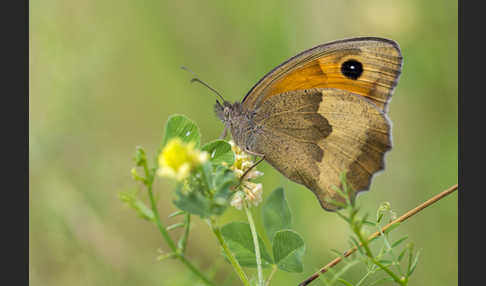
<point>471,112</point>
<point>15,140</point>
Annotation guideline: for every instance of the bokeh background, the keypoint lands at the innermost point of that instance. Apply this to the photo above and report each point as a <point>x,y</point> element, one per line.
<point>105,75</point>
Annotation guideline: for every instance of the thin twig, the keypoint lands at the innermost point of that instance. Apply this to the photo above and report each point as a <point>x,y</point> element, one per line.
<point>404,217</point>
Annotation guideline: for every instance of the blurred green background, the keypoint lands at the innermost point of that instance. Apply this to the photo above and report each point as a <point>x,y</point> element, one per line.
<point>105,75</point>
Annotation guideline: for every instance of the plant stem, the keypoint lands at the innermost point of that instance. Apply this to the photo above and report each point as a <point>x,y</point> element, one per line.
<point>254,234</point>
<point>183,241</point>
<point>364,278</point>
<point>165,234</point>
<point>161,228</point>
<point>364,243</point>
<point>404,217</point>
<point>236,265</point>
<point>274,269</point>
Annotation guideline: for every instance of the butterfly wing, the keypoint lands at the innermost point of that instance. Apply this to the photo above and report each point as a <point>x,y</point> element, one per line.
<point>313,136</point>
<point>368,66</point>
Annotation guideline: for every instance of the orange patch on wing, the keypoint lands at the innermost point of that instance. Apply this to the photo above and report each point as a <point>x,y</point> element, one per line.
<point>308,76</point>
<point>319,74</point>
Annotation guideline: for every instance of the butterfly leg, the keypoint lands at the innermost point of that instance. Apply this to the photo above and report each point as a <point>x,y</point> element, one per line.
<point>223,135</point>
<point>249,169</point>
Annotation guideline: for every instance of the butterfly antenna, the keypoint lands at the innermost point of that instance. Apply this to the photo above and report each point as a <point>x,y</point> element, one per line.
<point>196,79</point>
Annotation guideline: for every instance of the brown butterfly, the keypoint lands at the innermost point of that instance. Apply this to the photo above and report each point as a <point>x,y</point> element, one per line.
<point>322,113</point>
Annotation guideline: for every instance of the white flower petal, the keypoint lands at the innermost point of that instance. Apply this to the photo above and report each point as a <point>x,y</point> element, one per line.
<point>237,201</point>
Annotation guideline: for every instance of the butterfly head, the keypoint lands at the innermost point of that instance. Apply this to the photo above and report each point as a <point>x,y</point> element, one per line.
<point>224,111</point>
<point>227,112</point>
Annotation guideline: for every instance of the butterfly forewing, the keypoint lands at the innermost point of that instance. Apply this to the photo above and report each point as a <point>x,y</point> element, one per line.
<point>369,67</point>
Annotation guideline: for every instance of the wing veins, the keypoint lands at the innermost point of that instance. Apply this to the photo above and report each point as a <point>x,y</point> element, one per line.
<point>284,112</point>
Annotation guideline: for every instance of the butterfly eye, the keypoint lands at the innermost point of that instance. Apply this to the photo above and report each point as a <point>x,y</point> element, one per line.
<point>226,111</point>
<point>352,69</point>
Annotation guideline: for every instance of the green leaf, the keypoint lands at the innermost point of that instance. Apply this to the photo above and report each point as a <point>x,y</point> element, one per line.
<point>166,255</point>
<point>414,264</point>
<point>337,252</point>
<point>402,253</point>
<point>222,179</point>
<point>399,241</point>
<point>392,227</point>
<point>355,243</point>
<point>288,250</point>
<point>193,202</point>
<point>219,152</point>
<point>344,217</point>
<point>140,157</point>
<point>363,219</point>
<point>211,196</point>
<point>410,247</point>
<point>344,282</point>
<point>369,222</point>
<point>380,216</point>
<point>240,241</point>
<point>176,213</point>
<point>381,280</point>
<point>182,127</point>
<point>175,226</point>
<point>347,265</point>
<point>142,210</point>
<point>276,213</point>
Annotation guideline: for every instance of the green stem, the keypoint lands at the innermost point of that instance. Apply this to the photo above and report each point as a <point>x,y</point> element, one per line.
<point>356,226</point>
<point>364,278</point>
<point>255,242</point>
<point>274,269</point>
<point>382,234</point>
<point>183,241</point>
<point>149,182</point>
<point>236,265</point>
<point>364,243</point>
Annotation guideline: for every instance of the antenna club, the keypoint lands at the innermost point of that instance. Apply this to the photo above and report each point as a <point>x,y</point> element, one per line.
<point>196,79</point>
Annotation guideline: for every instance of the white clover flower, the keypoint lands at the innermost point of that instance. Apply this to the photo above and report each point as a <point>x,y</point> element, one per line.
<point>237,200</point>
<point>253,193</point>
<point>242,163</point>
<point>178,159</point>
<point>250,192</point>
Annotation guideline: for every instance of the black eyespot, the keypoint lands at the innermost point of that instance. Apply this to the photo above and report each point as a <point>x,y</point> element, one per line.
<point>352,69</point>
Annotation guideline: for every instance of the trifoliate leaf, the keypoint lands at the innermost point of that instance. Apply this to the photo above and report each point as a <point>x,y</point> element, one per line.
<point>219,151</point>
<point>276,213</point>
<point>240,241</point>
<point>182,127</point>
<point>288,250</point>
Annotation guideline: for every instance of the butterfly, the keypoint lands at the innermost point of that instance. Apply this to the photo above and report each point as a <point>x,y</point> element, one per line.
<point>320,114</point>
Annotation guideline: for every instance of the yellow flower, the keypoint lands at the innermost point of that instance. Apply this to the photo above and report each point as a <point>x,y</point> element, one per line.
<point>178,159</point>
<point>250,192</point>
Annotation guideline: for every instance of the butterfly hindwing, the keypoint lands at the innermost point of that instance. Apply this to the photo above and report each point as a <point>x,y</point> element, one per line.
<point>313,136</point>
